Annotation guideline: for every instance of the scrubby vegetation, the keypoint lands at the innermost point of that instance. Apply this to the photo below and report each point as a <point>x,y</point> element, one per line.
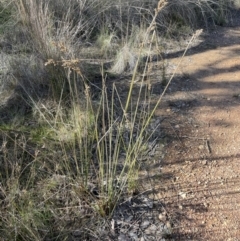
<point>71,142</point>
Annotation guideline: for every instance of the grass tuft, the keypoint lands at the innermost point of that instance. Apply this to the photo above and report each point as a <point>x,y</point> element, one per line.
<point>71,142</point>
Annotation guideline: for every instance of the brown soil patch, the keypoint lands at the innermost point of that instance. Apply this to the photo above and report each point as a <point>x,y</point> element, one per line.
<point>202,194</point>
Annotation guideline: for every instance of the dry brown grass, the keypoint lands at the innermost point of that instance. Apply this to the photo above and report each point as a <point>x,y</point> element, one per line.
<point>66,158</point>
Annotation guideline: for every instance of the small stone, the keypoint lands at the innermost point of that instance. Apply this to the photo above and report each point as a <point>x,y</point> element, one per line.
<point>133,235</point>
<point>204,162</point>
<point>148,202</point>
<point>176,179</point>
<point>200,147</point>
<point>168,225</point>
<point>162,216</point>
<point>145,224</point>
<point>182,195</point>
<point>129,218</point>
<point>206,205</point>
<point>151,229</point>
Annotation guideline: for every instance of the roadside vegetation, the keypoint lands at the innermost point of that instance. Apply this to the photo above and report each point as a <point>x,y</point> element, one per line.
<point>71,143</point>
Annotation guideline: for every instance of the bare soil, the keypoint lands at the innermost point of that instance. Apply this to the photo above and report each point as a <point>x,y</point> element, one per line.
<point>200,175</point>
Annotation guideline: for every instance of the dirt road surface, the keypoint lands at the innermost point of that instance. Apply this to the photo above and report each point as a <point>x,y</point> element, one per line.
<point>202,162</point>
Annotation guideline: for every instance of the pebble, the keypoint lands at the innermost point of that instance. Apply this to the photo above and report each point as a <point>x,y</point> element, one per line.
<point>200,147</point>
<point>145,224</point>
<point>162,216</point>
<point>168,225</point>
<point>133,236</point>
<point>182,195</point>
<point>151,229</point>
<point>204,162</point>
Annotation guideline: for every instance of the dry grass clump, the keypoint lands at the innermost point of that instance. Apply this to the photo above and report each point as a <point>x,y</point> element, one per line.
<point>108,26</point>
<point>67,159</point>
<point>180,17</point>
<point>71,162</point>
<point>107,42</point>
<point>125,60</point>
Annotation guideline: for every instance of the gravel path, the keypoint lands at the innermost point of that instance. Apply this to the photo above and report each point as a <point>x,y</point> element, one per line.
<point>202,195</point>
